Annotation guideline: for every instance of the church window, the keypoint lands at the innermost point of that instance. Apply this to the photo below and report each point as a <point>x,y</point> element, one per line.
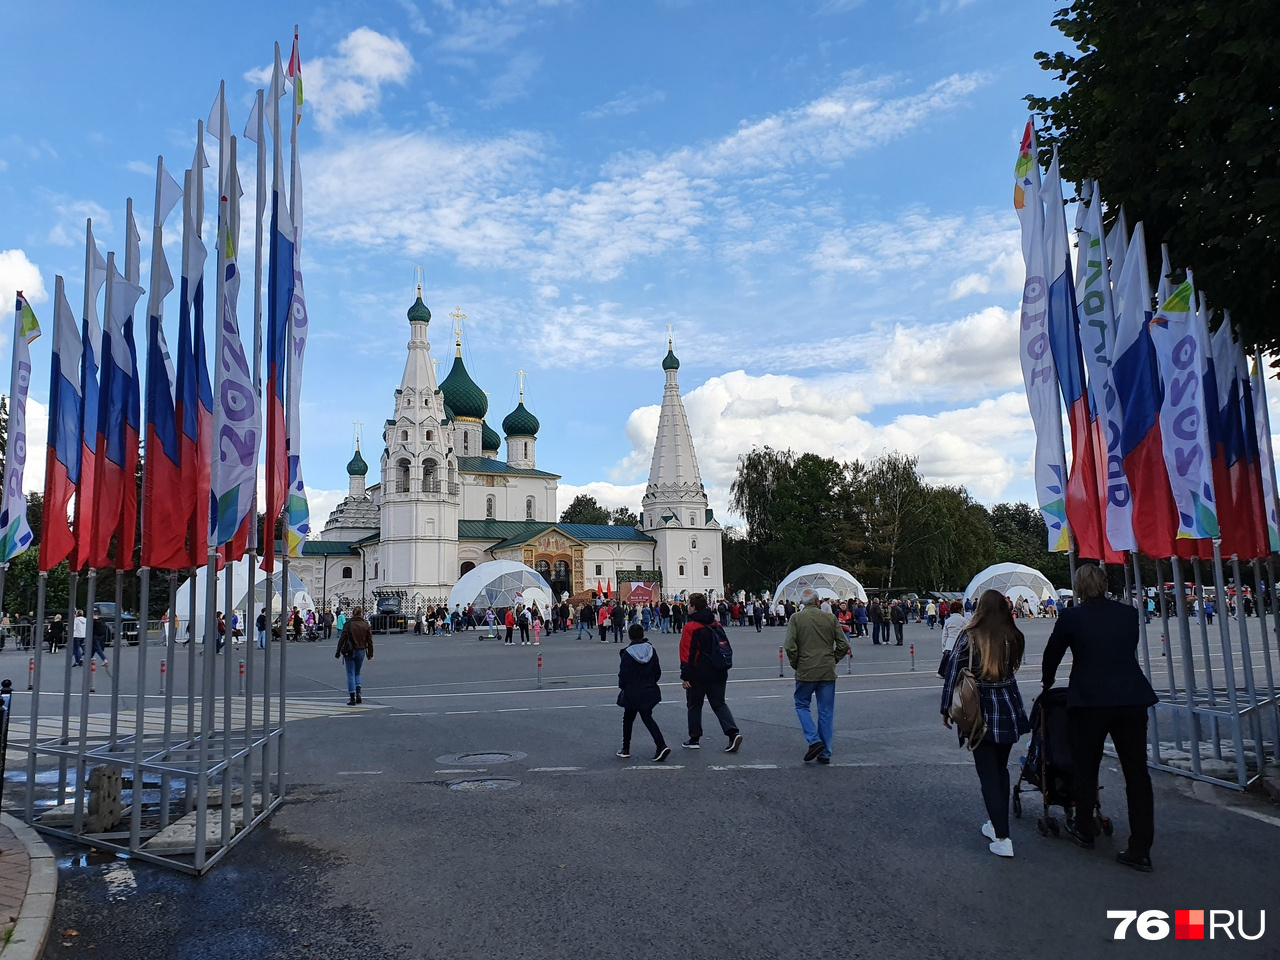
<point>346,573</point>
<point>693,519</point>
<point>402,476</point>
<point>694,544</point>
<point>560,571</point>
<point>706,570</point>
<point>682,569</point>
<point>526,449</point>
<point>466,443</point>
<point>598,570</point>
<point>638,568</point>
<point>466,568</point>
<point>375,569</point>
<point>528,509</point>
<point>430,436</point>
<point>429,482</point>
<point>488,508</point>
<point>543,568</point>
<point>404,435</point>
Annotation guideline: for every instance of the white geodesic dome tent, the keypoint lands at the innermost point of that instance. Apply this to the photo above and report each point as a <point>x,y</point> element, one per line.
<point>1012,580</point>
<point>827,580</point>
<point>500,583</point>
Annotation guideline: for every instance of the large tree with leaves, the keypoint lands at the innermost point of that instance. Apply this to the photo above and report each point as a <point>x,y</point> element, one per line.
<point>585,509</point>
<point>1172,106</point>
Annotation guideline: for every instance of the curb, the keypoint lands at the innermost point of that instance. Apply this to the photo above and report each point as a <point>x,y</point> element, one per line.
<point>36,915</point>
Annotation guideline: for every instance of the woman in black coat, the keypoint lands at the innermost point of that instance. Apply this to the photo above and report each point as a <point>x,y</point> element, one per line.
<point>638,676</point>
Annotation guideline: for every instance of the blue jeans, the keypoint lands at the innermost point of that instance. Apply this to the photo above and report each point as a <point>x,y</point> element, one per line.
<point>583,625</point>
<point>354,662</point>
<point>826,693</point>
<point>666,624</point>
<point>262,639</point>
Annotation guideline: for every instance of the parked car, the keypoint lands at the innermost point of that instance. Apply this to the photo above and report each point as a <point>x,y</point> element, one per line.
<point>106,612</point>
<point>387,617</point>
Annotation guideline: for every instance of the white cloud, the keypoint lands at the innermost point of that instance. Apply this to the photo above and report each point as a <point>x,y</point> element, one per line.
<point>980,446</point>
<point>68,228</point>
<point>321,503</point>
<point>417,23</point>
<point>608,495</point>
<point>513,82</point>
<point>625,104</point>
<point>17,272</point>
<point>479,201</point>
<point>350,82</point>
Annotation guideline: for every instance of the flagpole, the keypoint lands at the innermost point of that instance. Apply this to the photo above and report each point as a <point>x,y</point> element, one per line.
<point>1154,726</point>
<point>1188,664</point>
<point>1202,618</point>
<point>170,642</point>
<point>1246,663</point>
<point>1266,652</point>
<point>37,645</point>
<point>251,616</point>
<point>1228,662</point>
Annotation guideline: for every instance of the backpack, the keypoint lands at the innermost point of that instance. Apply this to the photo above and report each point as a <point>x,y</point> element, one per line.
<point>719,652</point>
<point>965,709</point>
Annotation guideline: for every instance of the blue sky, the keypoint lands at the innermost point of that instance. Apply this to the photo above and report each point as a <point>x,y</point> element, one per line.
<point>816,195</point>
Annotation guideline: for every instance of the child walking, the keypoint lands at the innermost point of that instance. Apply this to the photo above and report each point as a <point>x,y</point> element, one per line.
<point>638,677</point>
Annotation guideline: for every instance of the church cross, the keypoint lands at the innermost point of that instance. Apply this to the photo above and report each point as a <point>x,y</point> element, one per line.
<point>521,375</point>
<point>671,336</point>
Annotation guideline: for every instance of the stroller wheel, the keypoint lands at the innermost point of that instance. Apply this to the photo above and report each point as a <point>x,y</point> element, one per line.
<point>1042,827</point>
<point>1105,825</point>
<point>1017,804</point>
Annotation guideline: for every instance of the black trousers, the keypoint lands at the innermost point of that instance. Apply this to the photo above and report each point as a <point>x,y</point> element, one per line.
<point>992,763</point>
<point>1088,728</point>
<point>713,692</point>
<point>897,633</point>
<point>650,724</point>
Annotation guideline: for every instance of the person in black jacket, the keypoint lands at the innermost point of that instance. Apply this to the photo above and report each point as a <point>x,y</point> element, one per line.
<point>638,676</point>
<point>701,679</point>
<point>1108,695</point>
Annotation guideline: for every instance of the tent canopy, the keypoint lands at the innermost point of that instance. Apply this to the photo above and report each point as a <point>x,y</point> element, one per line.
<point>828,581</point>
<point>1012,580</point>
<point>298,596</point>
<point>500,583</point>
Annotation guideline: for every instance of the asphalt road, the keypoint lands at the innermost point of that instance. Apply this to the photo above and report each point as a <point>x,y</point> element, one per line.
<point>565,851</point>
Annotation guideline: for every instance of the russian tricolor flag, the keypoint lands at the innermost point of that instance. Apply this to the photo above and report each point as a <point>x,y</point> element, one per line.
<point>95,275</point>
<point>1137,380</point>
<point>62,458</point>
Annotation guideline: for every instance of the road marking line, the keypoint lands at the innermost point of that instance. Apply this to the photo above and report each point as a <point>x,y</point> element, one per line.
<point>657,766</point>
<point>744,766</point>
<point>514,710</point>
<point>359,773</point>
<point>1256,815</point>
<point>455,713</point>
<point>572,706</point>
<point>770,696</point>
<point>464,770</point>
<point>554,769</point>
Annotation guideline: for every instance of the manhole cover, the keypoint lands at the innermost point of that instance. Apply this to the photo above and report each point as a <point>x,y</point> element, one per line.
<point>481,758</point>
<point>488,783</point>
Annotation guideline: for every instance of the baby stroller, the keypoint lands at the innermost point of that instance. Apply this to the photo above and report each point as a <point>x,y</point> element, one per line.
<point>1047,766</point>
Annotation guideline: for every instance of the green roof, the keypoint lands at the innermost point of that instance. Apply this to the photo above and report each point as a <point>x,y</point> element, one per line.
<point>326,548</point>
<point>419,313</point>
<point>357,467</point>
<point>511,533</point>
<point>670,361</point>
<point>489,439</point>
<point>520,422</point>
<point>485,465</point>
<point>462,395</point>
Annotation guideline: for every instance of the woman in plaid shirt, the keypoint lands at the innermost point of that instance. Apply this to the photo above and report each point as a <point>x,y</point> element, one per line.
<point>992,647</point>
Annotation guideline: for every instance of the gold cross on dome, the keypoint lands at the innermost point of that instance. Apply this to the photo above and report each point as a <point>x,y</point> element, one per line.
<point>670,336</point>
<point>358,424</point>
<point>521,375</point>
<point>419,275</point>
<point>458,317</point>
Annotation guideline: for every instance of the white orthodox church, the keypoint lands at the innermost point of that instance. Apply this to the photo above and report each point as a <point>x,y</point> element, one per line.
<point>445,502</point>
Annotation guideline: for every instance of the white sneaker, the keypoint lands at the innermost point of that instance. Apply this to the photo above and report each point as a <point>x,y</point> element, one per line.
<point>1001,848</point>
<point>989,832</point>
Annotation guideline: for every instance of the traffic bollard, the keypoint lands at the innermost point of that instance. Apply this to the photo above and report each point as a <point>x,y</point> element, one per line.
<point>163,667</point>
<point>539,671</point>
<point>242,677</point>
<point>93,671</point>
<point>31,673</point>
<point>913,656</point>
<point>780,662</point>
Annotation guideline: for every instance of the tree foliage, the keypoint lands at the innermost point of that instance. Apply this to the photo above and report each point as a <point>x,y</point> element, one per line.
<point>624,517</point>
<point>1172,107</point>
<point>584,509</point>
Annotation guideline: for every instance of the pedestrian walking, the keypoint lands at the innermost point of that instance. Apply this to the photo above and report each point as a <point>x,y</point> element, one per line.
<point>991,647</point>
<point>586,619</point>
<point>355,645</point>
<point>898,617</point>
<point>509,621</point>
<point>1108,695</point>
<point>638,676</point>
<point>952,627</point>
<point>523,619</point>
<point>815,644</point>
<point>57,633</point>
<point>99,629</point>
<point>260,625</point>
<point>78,630</point>
<point>701,678</point>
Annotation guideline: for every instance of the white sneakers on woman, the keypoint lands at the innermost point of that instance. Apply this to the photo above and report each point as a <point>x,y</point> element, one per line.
<point>1001,848</point>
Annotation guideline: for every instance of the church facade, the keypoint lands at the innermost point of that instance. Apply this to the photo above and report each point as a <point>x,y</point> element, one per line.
<point>444,501</point>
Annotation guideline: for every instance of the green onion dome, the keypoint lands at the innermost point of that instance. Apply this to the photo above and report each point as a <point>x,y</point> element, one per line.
<point>489,439</point>
<point>520,422</point>
<point>670,361</point>
<point>462,395</point>
<point>419,313</point>
<point>357,467</point>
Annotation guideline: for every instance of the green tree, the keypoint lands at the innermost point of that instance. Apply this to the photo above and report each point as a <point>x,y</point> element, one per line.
<point>1172,107</point>
<point>1021,537</point>
<point>624,517</point>
<point>891,504</point>
<point>584,509</point>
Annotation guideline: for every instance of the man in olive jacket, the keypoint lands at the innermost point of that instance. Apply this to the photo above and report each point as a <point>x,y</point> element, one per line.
<point>815,644</point>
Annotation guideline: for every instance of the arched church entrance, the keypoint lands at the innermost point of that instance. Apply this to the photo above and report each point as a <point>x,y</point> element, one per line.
<point>559,580</point>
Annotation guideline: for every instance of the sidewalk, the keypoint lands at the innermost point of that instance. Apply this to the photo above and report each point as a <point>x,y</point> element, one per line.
<point>28,886</point>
